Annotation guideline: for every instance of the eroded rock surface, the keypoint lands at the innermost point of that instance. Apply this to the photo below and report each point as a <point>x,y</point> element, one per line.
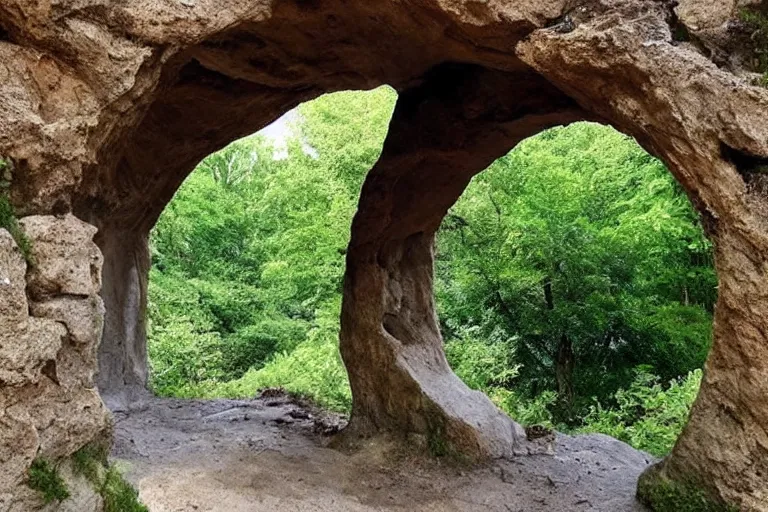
<point>49,406</point>
<point>105,107</point>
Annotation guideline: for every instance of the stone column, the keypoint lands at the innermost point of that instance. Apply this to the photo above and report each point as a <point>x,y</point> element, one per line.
<point>724,447</point>
<point>442,133</point>
<point>123,363</point>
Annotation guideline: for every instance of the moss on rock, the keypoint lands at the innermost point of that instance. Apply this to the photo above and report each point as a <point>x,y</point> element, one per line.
<point>9,222</point>
<point>662,494</point>
<point>118,495</point>
<point>44,477</point>
<point>756,22</point>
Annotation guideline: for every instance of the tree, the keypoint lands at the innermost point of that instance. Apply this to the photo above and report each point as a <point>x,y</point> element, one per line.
<point>572,243</point>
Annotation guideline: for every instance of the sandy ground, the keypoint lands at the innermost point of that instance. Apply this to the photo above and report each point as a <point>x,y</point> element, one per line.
<point>266,455</point>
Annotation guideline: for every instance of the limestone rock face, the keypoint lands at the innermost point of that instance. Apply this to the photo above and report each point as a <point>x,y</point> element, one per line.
<point>105,107</point>
<point>66,261</point>
<point>49,406</point>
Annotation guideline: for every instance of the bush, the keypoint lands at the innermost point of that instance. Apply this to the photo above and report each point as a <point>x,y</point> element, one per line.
<point>313,369</point>
<point>488,365</point>
<point>253,345</point>
<point>481,363</point>
<point>647,416</point>
<point>44,477</point>
<point>182,359</point>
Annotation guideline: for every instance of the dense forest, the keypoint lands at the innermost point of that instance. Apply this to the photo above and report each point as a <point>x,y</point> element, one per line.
<point>573,280</point>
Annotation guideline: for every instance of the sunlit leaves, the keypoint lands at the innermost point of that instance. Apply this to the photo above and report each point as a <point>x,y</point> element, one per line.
<point>587,211</point>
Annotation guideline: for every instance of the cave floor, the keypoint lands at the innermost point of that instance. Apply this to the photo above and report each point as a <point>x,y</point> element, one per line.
<point>266,454</point>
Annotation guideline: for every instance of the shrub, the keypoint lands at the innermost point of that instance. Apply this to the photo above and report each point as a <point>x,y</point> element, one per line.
<point>647,416</point>
<point>253,345</point>
<point>313,369</point>
<point>487,364</point>
<point>481,363</point>
<point>44,477</point>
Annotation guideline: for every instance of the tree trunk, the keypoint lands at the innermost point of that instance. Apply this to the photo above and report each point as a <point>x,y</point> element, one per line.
<point>564,370</point>
<point>564,360</point>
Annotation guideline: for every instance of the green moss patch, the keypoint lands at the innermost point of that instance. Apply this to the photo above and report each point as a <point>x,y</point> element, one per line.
<point>756,22</point>
<point>44,477</point>
<point>119,496</point>
<point>90,460</point>
<point>662,494</point>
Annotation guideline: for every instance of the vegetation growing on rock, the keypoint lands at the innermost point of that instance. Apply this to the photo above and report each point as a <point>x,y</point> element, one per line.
<point>756,22</point>
<point>44,477</point>
<point>8,220</point>
<point>664,495</point>
<point>118,495</point>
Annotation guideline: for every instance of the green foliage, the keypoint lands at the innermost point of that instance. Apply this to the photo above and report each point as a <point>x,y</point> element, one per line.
<point>579,251</point>
<point>488,365</point>
<point>90,460</point>
<point>480,362</point>
<point>437,446</point>
<point>756,22</point>
<point>313,369</point>
<point>647,416</point>
<point>9,222</point>
<point>6,173</point>
<point>119,495</point>
<point>250,253</point>
<point>44,477</point>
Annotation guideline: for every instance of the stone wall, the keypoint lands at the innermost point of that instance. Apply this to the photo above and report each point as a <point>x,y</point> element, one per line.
<point>50,325</point>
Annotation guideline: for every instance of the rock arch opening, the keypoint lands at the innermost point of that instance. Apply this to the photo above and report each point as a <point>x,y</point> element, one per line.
<point>248,258</point>
<point>109,107</point>
<point>570,268</point>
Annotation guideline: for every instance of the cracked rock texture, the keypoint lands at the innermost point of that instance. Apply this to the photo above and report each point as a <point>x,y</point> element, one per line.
<point>106,106</point>
<point>50,324</point>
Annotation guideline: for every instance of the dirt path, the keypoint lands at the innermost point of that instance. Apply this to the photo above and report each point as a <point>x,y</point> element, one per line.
<point>262,455</point>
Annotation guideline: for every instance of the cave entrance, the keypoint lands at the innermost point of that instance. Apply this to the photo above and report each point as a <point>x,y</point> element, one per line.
<point>448,126</point>
<point>109,109</point>
<point>571,269</point>
<point>248,258</point>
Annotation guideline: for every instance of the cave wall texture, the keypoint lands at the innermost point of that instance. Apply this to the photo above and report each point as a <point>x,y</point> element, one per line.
<point>107,105</point>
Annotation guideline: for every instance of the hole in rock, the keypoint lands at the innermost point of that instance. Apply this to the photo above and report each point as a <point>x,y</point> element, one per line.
<point>573,281</point>
<point>576,287</point>
<point>248,258</point>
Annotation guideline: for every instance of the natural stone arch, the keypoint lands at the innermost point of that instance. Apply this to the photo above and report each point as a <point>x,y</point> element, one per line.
<point>444,131</point>
<point>107,106</point>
